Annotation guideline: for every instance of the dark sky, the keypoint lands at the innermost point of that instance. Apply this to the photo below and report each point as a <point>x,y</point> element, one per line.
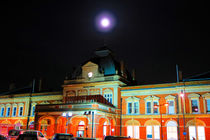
<point>48,38</point>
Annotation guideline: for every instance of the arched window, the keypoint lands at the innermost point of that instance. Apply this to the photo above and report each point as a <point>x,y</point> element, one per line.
<point>196,129</point>
<point>172,130</point>
<point>108,95</point>
<point>104,128</point>
<point>152,129</point>
<point>133,129</point>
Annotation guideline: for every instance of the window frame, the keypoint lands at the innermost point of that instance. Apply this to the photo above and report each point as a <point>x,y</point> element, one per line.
<point>108,95</point>
<point>8,106</point>
<point>194,96</point>
<point>152,99</point>
<point>171,98</point>
<point>32,113</point>
<point>2,108</point>
<point>19,106</point>
<point>132,100</point>
<point>14,106</point>
<point>153,131</point>
<point>205,98</point>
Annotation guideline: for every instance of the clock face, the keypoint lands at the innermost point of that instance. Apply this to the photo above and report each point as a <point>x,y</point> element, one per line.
<point>90,74</point>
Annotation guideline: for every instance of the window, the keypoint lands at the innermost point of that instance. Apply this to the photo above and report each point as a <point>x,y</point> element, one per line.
<point>196,132</point>
<point>206,102</point>
<point>133,131</point>
<point>132,105</point>
<point>129,108</point>
<point>153,132</point>
<point>8,112</point>
<point>133,108</point>
<point>171,107</point>
<point>105,129</point>
<point>108,95</point>
<point>14,111</point>
<point>155,110</point>
<point>170,99</point>
<point>151,107</point>
<point>136,108</point>
<point>2,111</point>
<point>172,130</point>
<point>33,111</point>
<point>21,111</point>
<point>148,107</point>
<point>208,105</point>
<point>194,104</point>
<point>151,101</point>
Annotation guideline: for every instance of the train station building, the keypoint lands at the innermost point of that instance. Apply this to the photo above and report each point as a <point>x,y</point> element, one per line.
<point>101,97</point>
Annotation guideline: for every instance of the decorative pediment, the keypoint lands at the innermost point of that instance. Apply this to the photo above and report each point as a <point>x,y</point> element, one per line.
<point>14,104</point>
<point>207,95</point>
<point>21,104</point>
<point>194,95</point>
<point>8,104</point>
<point>89,64</point>
<point>90,70</point>
<point>57,102</point>
<point>170,97</point>
<point>45,102</point>
<point>132,99</point>
<point>152,98</point>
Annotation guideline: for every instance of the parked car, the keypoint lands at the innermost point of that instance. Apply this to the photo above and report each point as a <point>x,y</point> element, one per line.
<point>62,136</point>
<point>2,137</point>
<point>116,138</point>
<point>38,134</point>
<point>13,134</point>
<point>27,137</point>
<point>81,138</point>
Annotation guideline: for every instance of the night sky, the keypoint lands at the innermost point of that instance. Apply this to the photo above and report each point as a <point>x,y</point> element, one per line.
<point>48,38</point>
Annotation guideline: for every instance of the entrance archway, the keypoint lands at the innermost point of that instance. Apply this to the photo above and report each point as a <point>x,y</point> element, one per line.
<point>81,129</point>
<point>46,126</point>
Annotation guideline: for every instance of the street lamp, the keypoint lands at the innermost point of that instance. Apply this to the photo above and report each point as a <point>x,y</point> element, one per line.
<point>156,106</point>
<point>89,113</point>
<point>67,115</point>
<point>182,94</point>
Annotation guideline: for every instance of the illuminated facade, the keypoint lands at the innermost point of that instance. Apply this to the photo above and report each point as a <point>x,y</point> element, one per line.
<point>100,98</point>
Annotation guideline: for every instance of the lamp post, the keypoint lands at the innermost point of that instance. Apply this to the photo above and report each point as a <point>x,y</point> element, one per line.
<point>182,94</point>
<point>156,106</point>
<point>67,115</point>
<point>89,113</point>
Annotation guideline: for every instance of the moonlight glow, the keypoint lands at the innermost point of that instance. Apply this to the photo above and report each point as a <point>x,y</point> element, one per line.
<point>105,22</point>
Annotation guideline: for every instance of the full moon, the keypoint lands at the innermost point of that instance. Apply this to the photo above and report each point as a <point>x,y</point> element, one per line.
<point>105,22</point>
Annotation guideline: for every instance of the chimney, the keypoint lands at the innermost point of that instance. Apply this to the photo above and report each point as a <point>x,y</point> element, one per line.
<point>12,86</point>
<point>40,84</point>
<point>122,67</point>
<point>133,74</point>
